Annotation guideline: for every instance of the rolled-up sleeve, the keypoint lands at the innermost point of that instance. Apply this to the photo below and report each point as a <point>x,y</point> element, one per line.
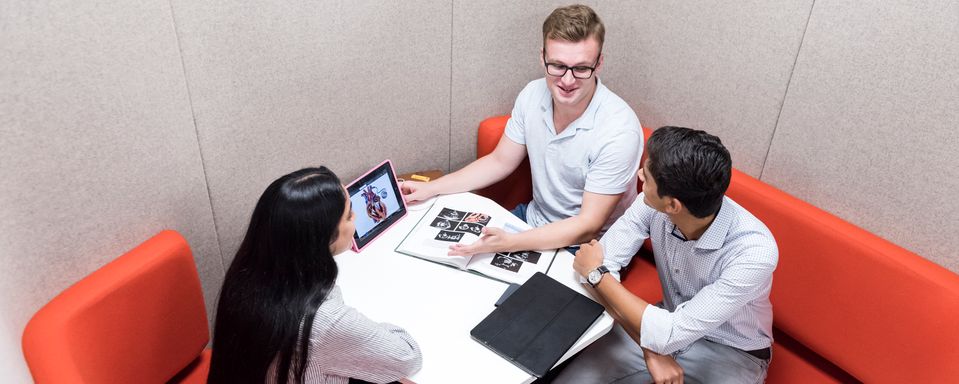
<point>746,278</point>
<point>626,236</point>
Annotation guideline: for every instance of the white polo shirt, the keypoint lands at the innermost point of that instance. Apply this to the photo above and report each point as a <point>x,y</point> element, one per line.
<point>599,152</point>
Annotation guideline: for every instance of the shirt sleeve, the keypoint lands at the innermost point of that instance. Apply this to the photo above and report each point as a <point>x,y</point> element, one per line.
<point>626,236</point>
<point>746,278</point>
<point>352,345</point>
<point>516,125</point>
<point>614,167</point>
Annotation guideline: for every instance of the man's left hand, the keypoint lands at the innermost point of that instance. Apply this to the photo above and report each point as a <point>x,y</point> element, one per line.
<point>588,258</point>
<point>492,240</point>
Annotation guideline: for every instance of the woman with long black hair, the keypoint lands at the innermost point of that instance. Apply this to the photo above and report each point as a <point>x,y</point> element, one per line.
<point>280,317</point>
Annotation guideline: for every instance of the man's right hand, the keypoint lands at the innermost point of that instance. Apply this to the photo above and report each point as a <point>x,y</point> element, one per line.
<point>663,368</point>
<point>415,191</point>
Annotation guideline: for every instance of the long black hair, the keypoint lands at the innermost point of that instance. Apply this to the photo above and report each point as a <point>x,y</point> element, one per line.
<point>281,274</point>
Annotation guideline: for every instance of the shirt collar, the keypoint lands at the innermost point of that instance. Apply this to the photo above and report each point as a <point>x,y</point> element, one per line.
<point>715,235</point>
<point>587,119</point>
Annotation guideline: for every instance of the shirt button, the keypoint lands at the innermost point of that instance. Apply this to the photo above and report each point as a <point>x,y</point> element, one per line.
<point>676,270</point>
<point>678,294</point>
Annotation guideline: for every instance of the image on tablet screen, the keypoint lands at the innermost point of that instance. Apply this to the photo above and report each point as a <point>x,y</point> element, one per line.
<point>373,203</point>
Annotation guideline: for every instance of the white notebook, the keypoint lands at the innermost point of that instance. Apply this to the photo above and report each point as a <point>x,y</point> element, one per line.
<point>460,218</point>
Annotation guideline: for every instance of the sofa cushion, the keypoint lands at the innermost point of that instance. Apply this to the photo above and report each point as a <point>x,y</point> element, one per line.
<point>516,188</point>
<point>866,306</point>
<point>876,310</point>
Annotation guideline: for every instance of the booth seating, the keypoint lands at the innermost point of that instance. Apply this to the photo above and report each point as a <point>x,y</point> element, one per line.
<point>848,306</point>
<point>138,319</point>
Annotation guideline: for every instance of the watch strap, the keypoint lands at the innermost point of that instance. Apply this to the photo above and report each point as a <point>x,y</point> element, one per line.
<point>602,270</point>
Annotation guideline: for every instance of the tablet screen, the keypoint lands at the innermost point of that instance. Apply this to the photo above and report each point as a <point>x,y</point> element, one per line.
<point>377,203</point>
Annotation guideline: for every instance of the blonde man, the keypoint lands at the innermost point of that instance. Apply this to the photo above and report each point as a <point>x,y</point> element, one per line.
<point>584,144</point>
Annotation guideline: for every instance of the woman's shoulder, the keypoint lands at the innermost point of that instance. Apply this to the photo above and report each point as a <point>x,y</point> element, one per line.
<point>338,326</point>
<point>334,318</point>
<point>332,306</point>
<point>345,342</point>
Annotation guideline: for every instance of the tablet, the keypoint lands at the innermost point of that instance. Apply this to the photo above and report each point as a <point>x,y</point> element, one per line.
<point>377,204</point>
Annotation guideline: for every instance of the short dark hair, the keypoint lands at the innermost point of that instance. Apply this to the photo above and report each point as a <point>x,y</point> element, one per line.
<point>690,165</point>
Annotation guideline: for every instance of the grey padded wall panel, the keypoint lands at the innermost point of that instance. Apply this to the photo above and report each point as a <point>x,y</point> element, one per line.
<point>496,47</point>
<point>869,126</point>
<point>11,359</point>
<point>99,150</point>
<point>720,66</point>
<point>280,86</point>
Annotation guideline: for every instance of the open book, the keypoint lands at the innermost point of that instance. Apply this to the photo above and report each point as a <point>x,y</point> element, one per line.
<point>460,218</point>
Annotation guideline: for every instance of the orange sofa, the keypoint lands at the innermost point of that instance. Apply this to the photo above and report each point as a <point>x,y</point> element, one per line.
<point>138,319</point>
<point>848,306</point>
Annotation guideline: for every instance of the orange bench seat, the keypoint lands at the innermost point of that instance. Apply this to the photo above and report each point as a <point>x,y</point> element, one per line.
<point>848,306</point>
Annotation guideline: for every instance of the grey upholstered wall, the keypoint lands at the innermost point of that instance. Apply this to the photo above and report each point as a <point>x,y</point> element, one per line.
<point>870,127</point>
<point>99,150</point>
<point>118,120</point>
<point>276,87</point>
<point>720,66</point>
<point>849,105</point>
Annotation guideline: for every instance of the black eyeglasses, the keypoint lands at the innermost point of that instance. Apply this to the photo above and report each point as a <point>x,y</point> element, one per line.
<point>579,71</point>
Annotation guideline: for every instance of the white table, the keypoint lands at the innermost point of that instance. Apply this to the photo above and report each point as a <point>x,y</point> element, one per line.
<point>439,305</point>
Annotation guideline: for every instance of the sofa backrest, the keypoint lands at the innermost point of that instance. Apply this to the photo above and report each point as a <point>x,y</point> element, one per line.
<point>515,188</point>
<point>876,310</point>
<point>140,318</point>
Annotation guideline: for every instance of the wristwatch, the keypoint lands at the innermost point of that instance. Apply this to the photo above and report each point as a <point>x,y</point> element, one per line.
<point>596,275</point>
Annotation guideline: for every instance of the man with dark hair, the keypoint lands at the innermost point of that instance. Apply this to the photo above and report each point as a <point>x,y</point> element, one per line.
<point>715,262</point>
<point>583,142</point>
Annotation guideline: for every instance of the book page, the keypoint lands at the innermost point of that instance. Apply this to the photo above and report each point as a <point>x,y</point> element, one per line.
<point>445,224</point>
<point>512,267</point>
<point>460,218</point>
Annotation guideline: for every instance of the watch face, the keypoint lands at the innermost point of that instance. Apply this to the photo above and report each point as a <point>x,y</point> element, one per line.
<point>594,276</point>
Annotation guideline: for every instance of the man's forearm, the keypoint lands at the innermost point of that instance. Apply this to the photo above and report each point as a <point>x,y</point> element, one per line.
<point>648,355</point>
<point>627,306</point>
<point>617,317</point>
<point>575,230</point>
<point>476,175</point>
<point>570,231</point>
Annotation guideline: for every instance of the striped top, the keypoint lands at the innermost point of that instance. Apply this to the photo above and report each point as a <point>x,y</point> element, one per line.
<point>346,344</point>
<point>716,287</point>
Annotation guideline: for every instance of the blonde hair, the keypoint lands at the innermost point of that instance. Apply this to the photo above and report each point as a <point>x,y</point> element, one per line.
<point>574,23</point>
